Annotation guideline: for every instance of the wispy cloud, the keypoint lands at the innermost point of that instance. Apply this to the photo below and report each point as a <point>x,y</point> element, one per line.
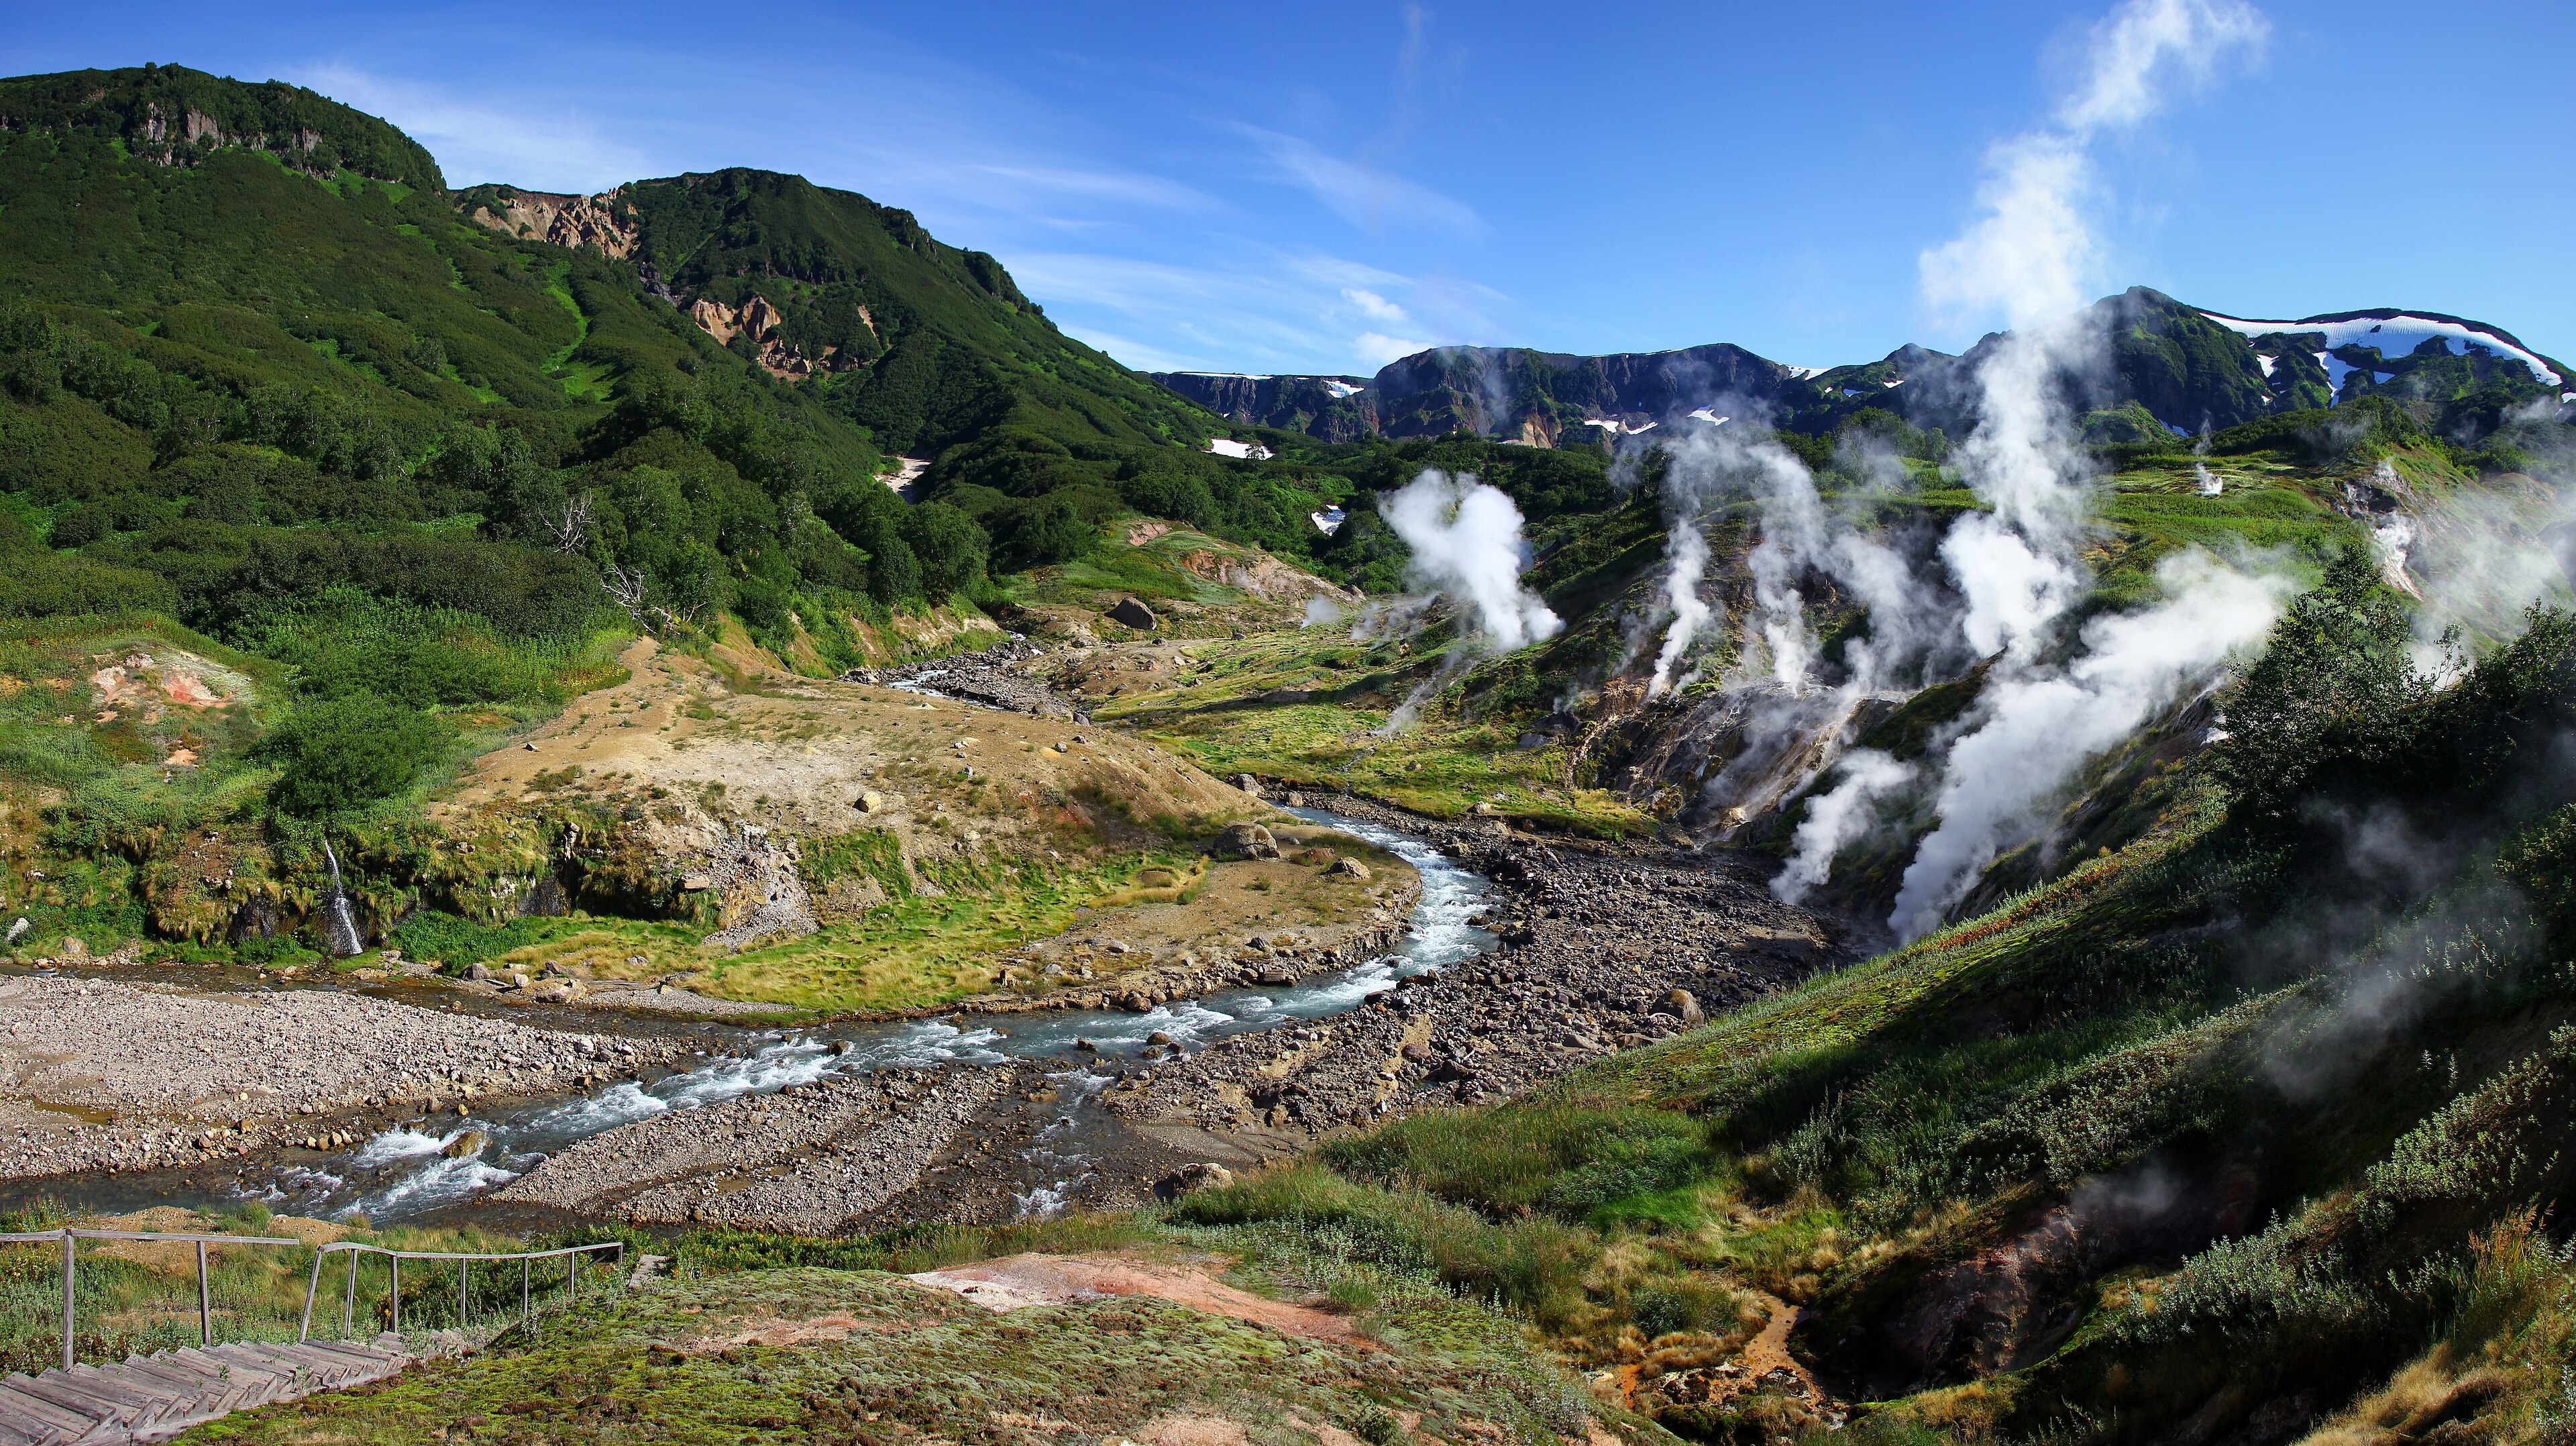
<point>474,141</point>
<point>1124,188</point>
<point>1363,195</point>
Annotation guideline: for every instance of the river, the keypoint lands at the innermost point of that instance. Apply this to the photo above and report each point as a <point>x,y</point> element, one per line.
<point>401,1174</point>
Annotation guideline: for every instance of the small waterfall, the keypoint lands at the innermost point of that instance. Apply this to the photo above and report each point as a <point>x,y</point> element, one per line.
<point>339,925</point>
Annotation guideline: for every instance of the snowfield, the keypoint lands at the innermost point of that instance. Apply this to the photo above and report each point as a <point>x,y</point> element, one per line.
<point>2397,334</point>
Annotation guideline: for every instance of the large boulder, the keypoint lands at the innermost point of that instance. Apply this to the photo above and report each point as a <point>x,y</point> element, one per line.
<point>1204,1175</point>
<point>1247,841</point>
<point>1134,614</point>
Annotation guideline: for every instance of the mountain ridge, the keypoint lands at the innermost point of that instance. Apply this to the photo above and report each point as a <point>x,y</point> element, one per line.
<point>2191,368</point>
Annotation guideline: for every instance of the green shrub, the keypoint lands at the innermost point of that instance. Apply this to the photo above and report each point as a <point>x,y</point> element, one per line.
<point>346,753</point>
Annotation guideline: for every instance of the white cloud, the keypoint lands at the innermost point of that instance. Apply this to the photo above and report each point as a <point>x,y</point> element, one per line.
<point>1377,307</point>
<point>476,142</point>
<point>1378,349</point>
<point>1124,188</point>
<point>1363,196</point>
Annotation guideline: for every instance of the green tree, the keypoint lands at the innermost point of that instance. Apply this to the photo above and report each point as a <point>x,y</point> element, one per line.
<point>2337,679</point>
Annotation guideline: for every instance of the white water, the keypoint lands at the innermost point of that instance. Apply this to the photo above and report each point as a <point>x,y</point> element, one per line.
<point>340,928</point>
<point>404,1172</point>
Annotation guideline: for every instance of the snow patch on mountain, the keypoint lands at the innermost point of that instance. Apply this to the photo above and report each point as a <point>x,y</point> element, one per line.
<point>2396,334</point>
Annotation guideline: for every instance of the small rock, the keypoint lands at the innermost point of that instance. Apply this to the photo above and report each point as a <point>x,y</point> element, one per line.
<point>872,802</point>
<point>1134,614</point>
<point>1158,1037</point>
<point>1348,868</point>
<point>465,1146</point>
<point>1683,1005</point>
<point>478,971</point>
<point>1296,799</point>
<point>1248,784</point>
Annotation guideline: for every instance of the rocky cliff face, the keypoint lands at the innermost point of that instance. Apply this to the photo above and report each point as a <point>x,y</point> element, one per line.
<point>2186,368</point>
<point>557,220</point>
<point>1337,409</point>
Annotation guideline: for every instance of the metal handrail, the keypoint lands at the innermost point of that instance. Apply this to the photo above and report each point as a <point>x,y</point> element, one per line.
<point>71,1237</point>
<point>463,1258</point>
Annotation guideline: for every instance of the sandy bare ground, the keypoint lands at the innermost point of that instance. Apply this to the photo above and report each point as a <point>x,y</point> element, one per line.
<point>1016,1282</point>
<point>102,1075</point>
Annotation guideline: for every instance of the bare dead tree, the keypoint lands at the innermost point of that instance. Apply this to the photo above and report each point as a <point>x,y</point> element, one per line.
<point>627,587</point>
<point>571,531</point>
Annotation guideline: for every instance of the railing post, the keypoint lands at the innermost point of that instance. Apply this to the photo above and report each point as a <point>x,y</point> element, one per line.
<point>394,1264</point>
<point>70,1244</point>
<point>205,1301</point>
<point>525,1314</point>
<point>349,1307</point>
<point>312,1288</point>
<point>461,1265</point>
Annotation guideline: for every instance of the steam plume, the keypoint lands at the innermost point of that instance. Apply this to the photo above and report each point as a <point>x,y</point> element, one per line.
<point>1681,589</point>
<point>2040,725</point>
<point>2018,563</point>
<point>1466,541</point>
<point>1837,818</point>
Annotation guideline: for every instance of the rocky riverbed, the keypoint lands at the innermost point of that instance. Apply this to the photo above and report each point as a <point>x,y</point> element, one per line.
<point>1606,948</point>
<point>809,1159</point>
<point>996,677</point>
<point>103,1075</point>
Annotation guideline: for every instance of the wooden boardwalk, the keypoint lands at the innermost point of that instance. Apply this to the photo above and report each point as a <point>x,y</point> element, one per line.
<point>152,1398</point>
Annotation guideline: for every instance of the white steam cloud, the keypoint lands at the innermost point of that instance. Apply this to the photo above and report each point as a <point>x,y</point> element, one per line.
<point>1467,545</point>
<point>1689,558</point>
<point>2040,725</point>
<point>2018,563</point>
<point>1837,818</point>
<point>1466,541</point>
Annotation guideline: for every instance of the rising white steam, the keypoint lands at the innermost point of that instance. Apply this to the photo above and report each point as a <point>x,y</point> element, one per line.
<point>1837,818</point>
<point>1466,541</point>
<point>1689,564</point>
<point>2040,725</point>
<point>2029,257</point>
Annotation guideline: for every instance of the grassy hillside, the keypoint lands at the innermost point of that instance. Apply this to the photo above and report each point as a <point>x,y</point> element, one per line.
<point>2235,1125</point>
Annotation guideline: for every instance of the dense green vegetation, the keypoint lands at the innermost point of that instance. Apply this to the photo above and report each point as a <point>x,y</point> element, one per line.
<point>2019,1171</point>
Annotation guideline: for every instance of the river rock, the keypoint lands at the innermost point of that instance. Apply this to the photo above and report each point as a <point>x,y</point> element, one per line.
<point>466,1145</point>
<point>1248,784</point>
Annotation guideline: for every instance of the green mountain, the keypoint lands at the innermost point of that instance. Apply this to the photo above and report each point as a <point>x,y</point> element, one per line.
<point>254,348</point>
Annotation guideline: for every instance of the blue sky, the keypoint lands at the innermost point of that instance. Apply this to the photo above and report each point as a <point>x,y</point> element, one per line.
<point>1322,187</point>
